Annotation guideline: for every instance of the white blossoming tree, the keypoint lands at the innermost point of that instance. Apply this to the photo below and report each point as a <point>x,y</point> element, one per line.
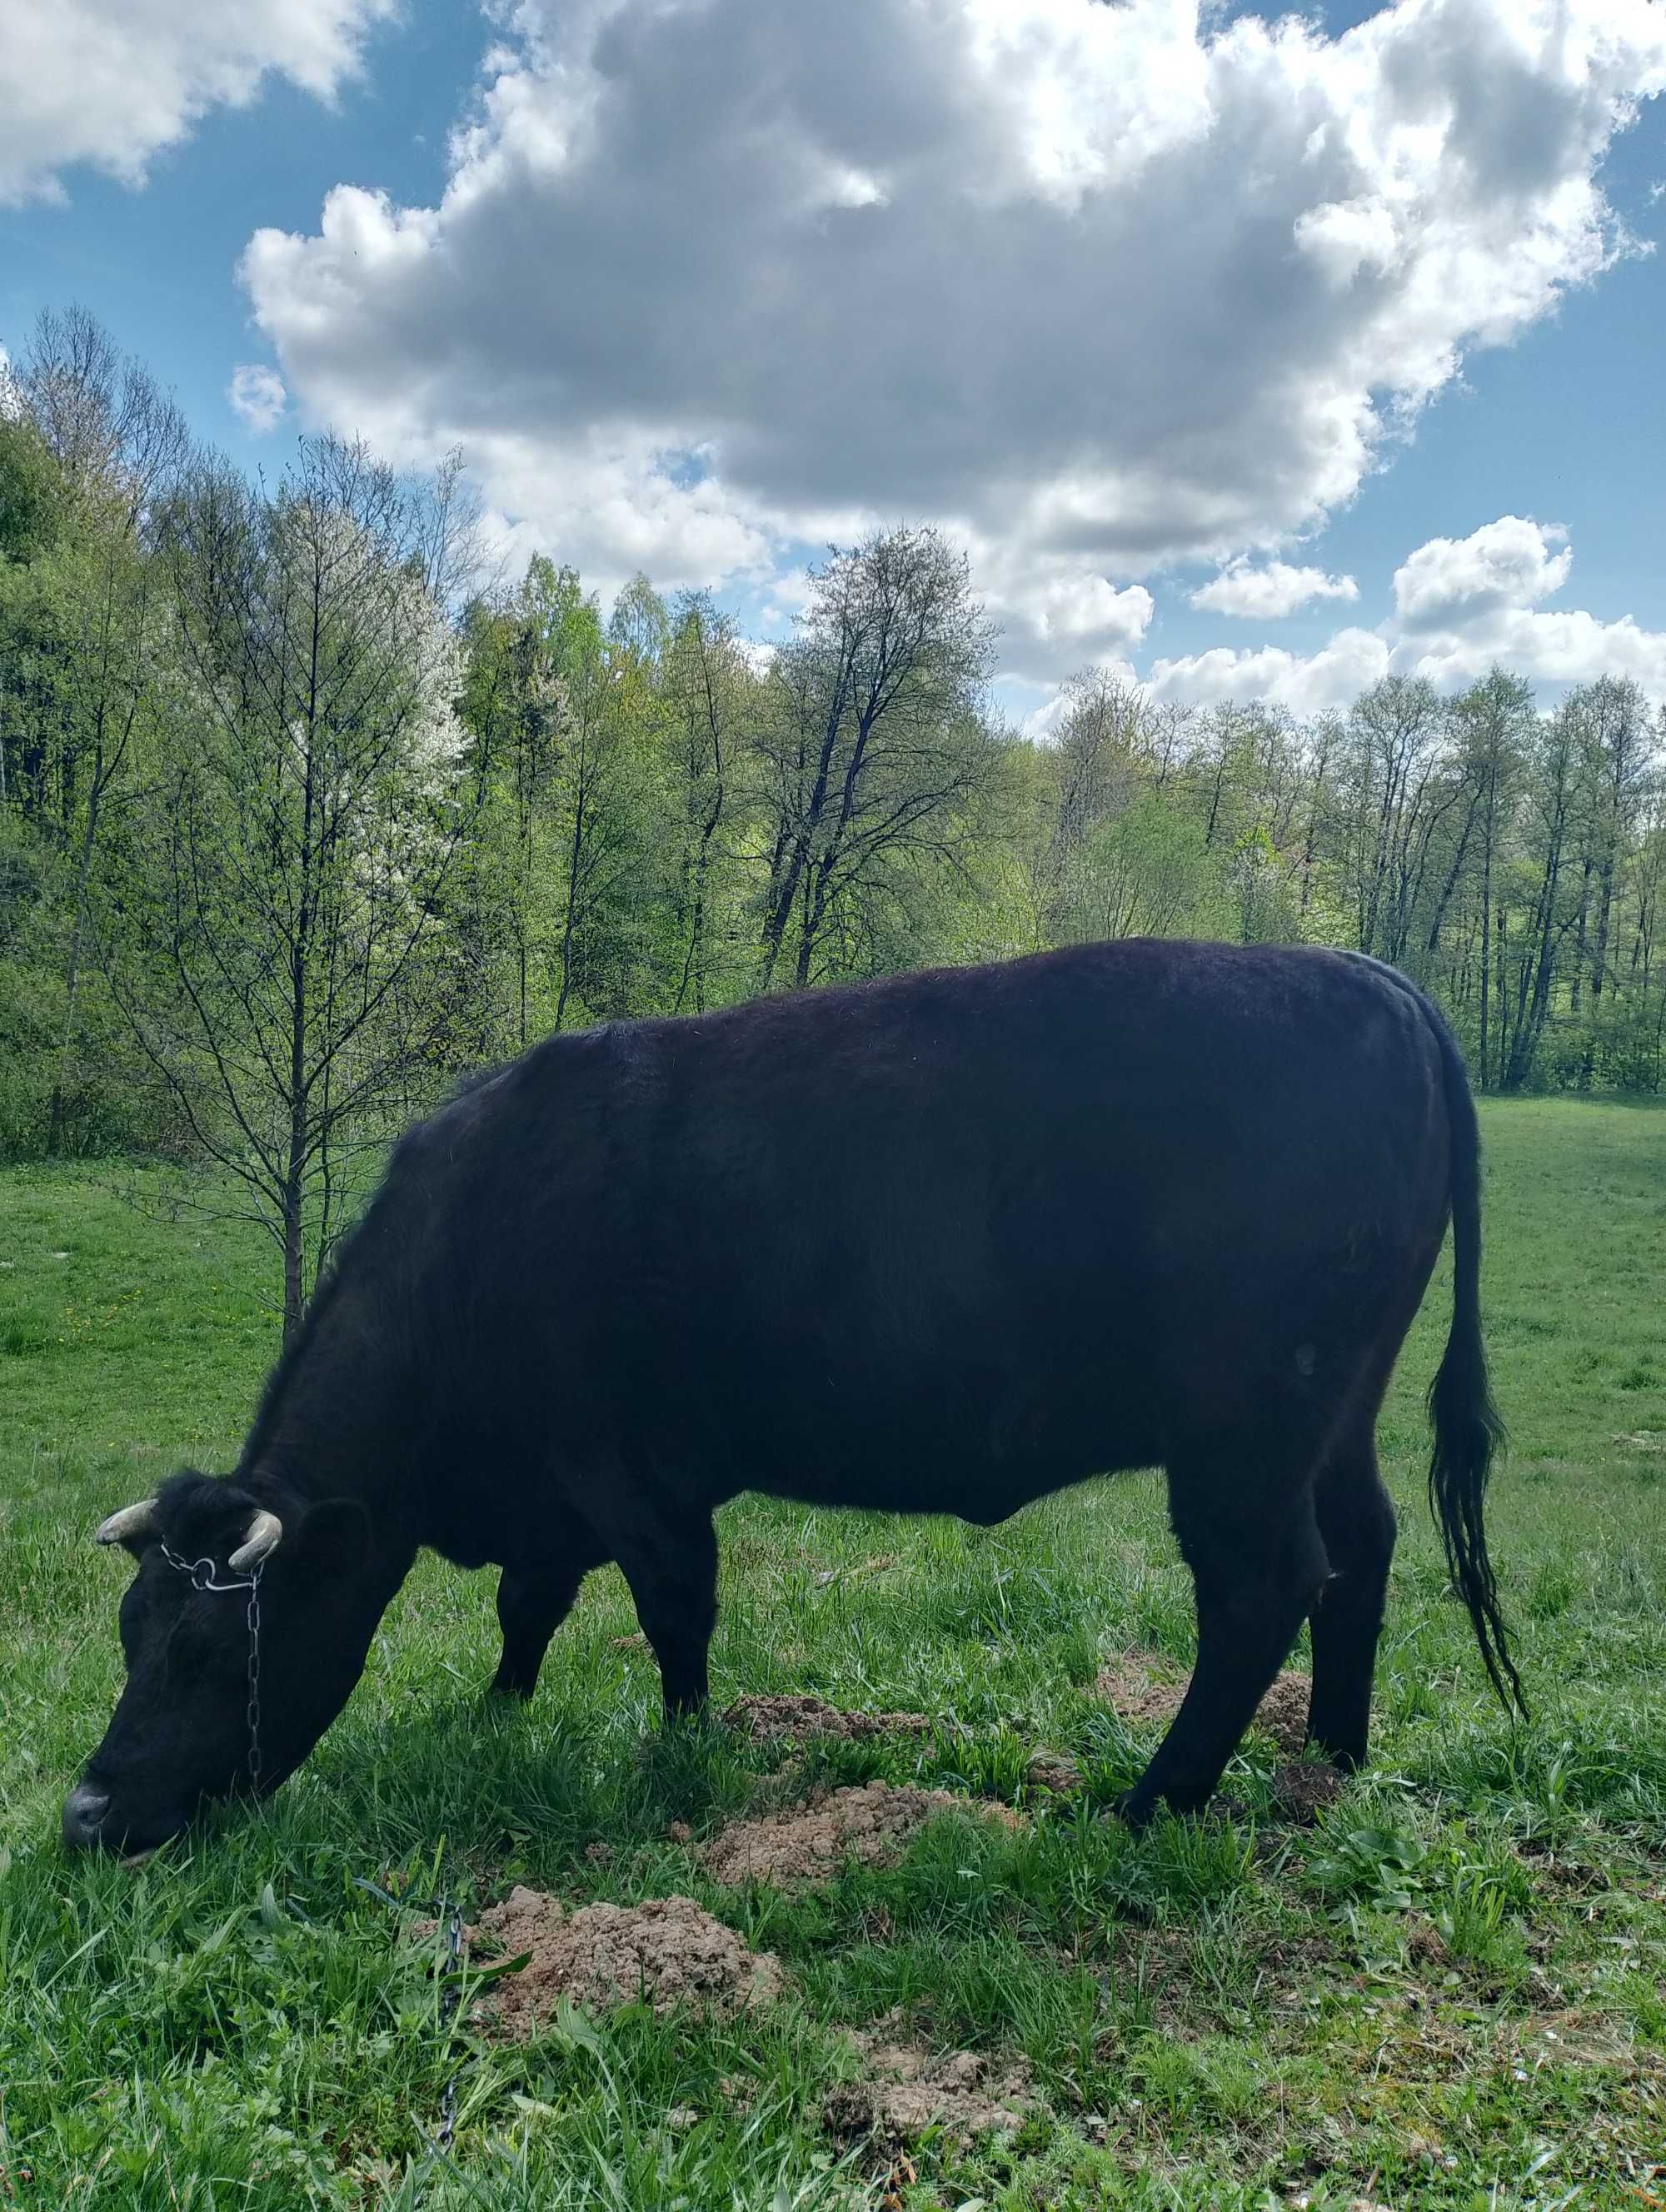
<point>276,937</point>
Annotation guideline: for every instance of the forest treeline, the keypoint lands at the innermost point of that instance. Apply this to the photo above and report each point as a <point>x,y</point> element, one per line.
<point>300,819</point>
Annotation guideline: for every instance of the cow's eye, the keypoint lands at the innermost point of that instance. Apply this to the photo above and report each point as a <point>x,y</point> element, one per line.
<point>198,1648</point>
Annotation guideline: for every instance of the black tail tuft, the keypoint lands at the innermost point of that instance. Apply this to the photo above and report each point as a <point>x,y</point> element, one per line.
<point>1467,1428</point>
<point>1468,1432</point>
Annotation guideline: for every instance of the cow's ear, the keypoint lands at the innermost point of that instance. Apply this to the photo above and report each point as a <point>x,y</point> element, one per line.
<point>334,1536</point>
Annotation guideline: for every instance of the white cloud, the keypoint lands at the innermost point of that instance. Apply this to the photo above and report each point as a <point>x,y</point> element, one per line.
<point>1461,604</point>
<point>257,397</point>
<point>112,82</point>
<point>1454,582</point>
<point>1267,592</point>
<point>1551,648</point>
<point>989,262</point>
<point>1307,683</point>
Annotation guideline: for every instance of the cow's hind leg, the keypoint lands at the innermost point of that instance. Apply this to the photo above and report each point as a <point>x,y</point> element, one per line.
<point>1357,1525</point>
<point>672,1574</point>
<point>1250,1538</point>
<point>531,1604</point>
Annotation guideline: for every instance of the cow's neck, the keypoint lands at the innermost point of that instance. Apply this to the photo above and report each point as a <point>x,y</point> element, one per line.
<point>340,1420</point>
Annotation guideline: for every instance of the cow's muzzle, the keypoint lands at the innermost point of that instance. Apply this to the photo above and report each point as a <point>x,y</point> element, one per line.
<point>85,1811</point>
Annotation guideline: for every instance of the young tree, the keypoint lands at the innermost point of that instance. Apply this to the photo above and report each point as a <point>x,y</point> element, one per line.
<point>272,935</point>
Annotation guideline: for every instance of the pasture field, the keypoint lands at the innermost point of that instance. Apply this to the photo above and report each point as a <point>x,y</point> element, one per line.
<point>1449,1992</point>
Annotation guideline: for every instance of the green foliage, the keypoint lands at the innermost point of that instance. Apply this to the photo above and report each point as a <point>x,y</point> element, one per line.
<point>32,490</point>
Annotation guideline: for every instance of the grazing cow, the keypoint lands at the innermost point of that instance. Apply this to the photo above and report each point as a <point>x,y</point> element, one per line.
<point>938,1244</point>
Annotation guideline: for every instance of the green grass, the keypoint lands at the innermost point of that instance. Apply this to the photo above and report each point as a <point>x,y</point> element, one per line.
<point>1449,1994</point>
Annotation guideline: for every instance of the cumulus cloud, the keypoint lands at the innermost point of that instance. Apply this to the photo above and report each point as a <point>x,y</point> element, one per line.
<point>112,82</point>
<point>1556,649</point>
<point>1461,604</point>
<point>257,397</point>
<point>1308,684</point>
<point>1455,582</point>
<point>1268,592</point>
<point>709,279</point>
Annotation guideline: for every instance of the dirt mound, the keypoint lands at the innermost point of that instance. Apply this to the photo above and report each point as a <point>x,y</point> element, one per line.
<point>792,1718</point>
<point>1146,1691</point>
<point>904,2090</point>
<point>667,1953</point>
<point>1144,1687</point>
<point>870,1824</point>
<point>1052,1771</point>
<point>1282,1713</point>
<point>1302,1789</point>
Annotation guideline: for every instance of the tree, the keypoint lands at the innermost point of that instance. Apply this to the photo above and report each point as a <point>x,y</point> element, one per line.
<point>709,696</point>
<point>876,748</point>
<point>273,932</point>
<point>1401,791</point>
<point>1492,725</point>
<point>87,443</point>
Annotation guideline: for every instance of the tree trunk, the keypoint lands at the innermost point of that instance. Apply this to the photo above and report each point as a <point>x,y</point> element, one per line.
<point>294,1278</point>
<point>72,980</point>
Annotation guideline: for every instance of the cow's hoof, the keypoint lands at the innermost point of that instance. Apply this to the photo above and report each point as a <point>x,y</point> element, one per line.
<point>1132,1810</point>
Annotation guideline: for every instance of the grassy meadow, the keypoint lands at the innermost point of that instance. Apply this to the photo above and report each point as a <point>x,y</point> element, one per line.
<point>1450,1992</point>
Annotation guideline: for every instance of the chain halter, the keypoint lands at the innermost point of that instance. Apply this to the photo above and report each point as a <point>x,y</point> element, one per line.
<point>203,1573</point>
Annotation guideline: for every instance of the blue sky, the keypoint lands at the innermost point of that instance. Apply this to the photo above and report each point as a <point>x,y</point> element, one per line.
<point>1096,441</point>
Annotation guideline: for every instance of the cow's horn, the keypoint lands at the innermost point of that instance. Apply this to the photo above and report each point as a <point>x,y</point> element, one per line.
<point>131,1523</point>
<point>265,1534</point>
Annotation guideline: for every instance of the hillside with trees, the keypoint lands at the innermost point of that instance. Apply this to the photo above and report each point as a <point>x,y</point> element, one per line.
<point>300,820</point>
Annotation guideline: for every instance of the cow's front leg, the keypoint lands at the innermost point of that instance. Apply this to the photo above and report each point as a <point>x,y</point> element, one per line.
<point>672,1571</point>
<point>532,1601</point>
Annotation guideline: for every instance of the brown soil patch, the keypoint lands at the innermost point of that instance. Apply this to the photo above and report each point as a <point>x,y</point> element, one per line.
<point>1302,1788</point>
<point>1282,1713</point>
<point>1143,1687</point>
<point>1146,1691</point>
<point>667,1953</point>
<point>870,1824</point>
<point>792,1719</point>
<point>1052,1771</point>
<point>904,2090</point>
<point>1425,1945</point>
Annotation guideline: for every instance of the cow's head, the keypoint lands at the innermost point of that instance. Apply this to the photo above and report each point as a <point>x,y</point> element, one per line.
<point>180,1733</point>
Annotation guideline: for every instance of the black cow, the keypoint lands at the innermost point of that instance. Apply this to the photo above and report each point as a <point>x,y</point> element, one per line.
<point>939,1244</point>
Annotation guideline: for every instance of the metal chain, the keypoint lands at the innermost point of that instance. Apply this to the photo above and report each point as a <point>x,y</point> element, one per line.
<point>203,1573</point>
<point>252,1617</point>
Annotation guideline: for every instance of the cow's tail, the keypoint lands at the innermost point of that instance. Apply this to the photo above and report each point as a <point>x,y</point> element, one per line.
<point>1468,1429</point>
